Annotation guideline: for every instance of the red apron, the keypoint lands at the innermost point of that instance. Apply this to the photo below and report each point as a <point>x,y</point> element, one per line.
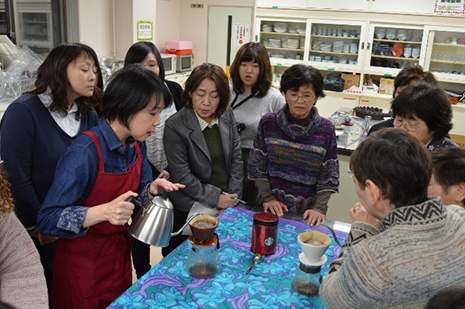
<point>92,271</point>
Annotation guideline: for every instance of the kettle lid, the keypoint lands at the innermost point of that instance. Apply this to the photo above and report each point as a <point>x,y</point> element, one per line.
<point>162,201</point>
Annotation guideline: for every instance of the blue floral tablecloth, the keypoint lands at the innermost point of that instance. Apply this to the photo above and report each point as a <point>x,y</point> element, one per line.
<point>268,285</point>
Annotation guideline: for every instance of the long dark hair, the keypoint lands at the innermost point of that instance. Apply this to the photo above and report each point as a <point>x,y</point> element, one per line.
<point>139,51</point>
<point>53,73</point>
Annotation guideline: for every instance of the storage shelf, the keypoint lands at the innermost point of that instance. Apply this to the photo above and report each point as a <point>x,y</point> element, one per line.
<point>396,41</point>
<point>332,53</point>
<point>282,33</point>
<point>35,22</point>
<point>448,62</point>
<point>448,45</point>
<point>396,58</point>
<point>335,37</point>
<point>288,49</point>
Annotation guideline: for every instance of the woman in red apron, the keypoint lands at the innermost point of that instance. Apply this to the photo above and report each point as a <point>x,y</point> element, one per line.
<point>86,206</point>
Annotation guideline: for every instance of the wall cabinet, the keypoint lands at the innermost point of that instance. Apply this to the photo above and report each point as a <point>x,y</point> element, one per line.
<point>369,50</point>
<point>446,53</point>
<point>36,29</point>
<point>394,47</point>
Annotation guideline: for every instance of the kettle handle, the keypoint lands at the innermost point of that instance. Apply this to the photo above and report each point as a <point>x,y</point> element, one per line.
<point>184,226</point>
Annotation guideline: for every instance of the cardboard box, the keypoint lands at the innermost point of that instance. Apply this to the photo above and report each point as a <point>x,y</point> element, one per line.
<point>386,85</point>
<point>350,80</point>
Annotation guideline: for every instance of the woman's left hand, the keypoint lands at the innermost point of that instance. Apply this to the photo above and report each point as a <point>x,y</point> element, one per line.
<point>160,184</point>
<point>313,217</point>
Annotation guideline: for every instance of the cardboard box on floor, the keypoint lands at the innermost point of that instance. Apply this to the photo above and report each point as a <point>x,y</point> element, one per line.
<point>350,80</point>
<point>386,85</point>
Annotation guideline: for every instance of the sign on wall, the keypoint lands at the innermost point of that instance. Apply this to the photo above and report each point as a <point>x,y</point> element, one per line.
<point>144,30</point>
<point>450,7</point>
<point>241,34</point>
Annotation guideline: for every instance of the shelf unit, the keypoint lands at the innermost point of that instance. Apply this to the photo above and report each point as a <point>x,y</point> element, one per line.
<point>429,41</point>
<point>35,29</point>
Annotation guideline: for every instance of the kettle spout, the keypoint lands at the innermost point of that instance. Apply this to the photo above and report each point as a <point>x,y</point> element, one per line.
<point>184,226</point>
<point>331,231</point>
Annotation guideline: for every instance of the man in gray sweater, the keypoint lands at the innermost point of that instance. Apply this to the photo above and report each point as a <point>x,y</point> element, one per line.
<point>403,247</point>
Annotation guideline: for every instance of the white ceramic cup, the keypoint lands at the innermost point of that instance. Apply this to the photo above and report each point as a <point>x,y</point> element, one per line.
<point>313,253</point>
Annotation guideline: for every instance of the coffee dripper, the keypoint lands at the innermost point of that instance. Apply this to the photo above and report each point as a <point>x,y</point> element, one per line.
<point>204,261</point>
<point>308,278</point>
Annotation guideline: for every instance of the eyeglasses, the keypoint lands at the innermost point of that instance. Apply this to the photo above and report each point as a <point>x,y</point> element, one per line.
<point>407,125</point>
<point>293,97</point>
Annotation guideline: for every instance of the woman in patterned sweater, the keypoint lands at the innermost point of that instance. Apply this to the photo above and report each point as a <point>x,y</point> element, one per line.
<point>294,157</point>
<point>403,247</point>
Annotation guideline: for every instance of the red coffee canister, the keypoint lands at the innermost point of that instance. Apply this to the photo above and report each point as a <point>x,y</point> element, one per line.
<point>264,233</point>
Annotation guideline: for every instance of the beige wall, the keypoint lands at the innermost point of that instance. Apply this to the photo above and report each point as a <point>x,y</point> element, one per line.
<point>168,21</point>
<point>95,25</point>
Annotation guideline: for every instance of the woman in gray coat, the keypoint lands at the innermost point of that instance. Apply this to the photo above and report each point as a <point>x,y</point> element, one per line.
<point>203,148</point>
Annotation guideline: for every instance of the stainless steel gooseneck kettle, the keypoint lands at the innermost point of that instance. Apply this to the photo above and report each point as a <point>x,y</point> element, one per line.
<point>152,224</point>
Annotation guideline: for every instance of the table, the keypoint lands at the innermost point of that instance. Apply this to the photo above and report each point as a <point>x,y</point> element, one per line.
<point>268,285</point>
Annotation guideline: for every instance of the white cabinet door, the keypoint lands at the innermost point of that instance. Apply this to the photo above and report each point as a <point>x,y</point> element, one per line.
<point>340,5</point>
<point>445,55</point>
<point>413,6</point>
<point>336,45</point>
<point>282,3</point>
<point>285,39</point>
<point>394,47</point>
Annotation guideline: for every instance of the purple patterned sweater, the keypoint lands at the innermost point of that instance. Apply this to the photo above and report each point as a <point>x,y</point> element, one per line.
<point>299,161</point>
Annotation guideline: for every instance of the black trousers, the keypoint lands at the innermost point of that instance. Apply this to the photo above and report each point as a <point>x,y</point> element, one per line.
<point>141,258</point>
<point>180,218</point>
<point>47,258</point>
<point>249,193</point>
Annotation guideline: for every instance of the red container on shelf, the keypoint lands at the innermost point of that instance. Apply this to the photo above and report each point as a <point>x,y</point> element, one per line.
<point>179,48</point>
<point>264,233</point>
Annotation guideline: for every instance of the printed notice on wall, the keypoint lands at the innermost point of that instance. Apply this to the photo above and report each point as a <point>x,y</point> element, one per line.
<point>144,30</point>
<point>456,7</point>
<point>241,34</point>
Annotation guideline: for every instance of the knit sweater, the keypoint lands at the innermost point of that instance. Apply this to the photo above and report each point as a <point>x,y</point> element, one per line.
<point>219,175</point>
<point>298,161</point>
<point>417,251</point>
<point>22,281</point>
<point>252,110</point>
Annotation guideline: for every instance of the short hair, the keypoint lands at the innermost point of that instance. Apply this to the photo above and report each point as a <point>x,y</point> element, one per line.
<point>410,74</point>
<point>129,91</point>
<point>428,102</point>
<point>452,297</point>
<point>53,74</point>
<point>449,166</point>
<point>208,71</point>
<point>139,51</point>
<point>257,53</point>
<point>300,75</point>
<point>397,163</point>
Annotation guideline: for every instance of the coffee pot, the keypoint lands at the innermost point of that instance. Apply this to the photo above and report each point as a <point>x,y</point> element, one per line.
<point>152,224</point>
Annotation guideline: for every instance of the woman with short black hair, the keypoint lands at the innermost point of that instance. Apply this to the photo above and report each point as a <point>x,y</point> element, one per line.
<point>87,205</point>
<point>425,112</point>
<point>294,157</point>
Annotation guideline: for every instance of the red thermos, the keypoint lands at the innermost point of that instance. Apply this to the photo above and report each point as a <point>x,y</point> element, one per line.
<point>264,233</point>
